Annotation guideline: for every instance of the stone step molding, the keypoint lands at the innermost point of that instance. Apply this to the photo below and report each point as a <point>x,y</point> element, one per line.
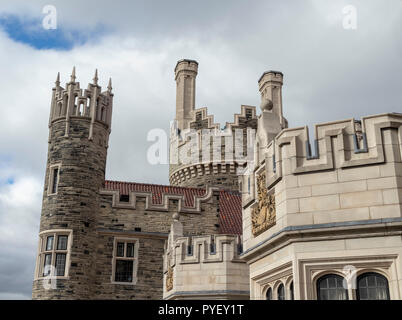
<point>289,152</point>
<point>164,205</point>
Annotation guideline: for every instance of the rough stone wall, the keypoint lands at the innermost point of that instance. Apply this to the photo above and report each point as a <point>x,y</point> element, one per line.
<point>77,200</point>
<point>150,228</point>
<point>149,272</point>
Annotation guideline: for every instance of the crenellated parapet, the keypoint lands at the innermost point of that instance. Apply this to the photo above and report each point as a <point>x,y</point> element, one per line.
<point>351,175</point>
<point>216,154</point>
<point>159,199</point>
<point>72,102</point>
<point>339,144</point>
<point>204,266</point>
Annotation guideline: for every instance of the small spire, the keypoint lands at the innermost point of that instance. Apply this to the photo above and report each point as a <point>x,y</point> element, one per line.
<point>95,79</point>
<point>109,86</point>
<point>58,80</point>
<point>73,75</point>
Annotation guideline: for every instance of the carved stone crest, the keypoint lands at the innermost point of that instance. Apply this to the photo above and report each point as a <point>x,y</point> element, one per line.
<point>263,216</point>
<point>169,279</point>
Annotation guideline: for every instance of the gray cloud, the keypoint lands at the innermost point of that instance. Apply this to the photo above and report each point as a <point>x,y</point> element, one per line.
<point>330,74</point>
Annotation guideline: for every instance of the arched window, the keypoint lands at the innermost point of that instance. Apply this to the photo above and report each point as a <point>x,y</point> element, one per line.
<point>268,295</point>
<point>281,292</point>
<point>292,297</point>
<point>372,286</point>
<point>330,287</point>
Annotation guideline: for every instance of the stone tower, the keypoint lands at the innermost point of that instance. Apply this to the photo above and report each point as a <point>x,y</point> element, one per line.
<point>201,152</point>
<point>79,129</point>
<point>185,73</point>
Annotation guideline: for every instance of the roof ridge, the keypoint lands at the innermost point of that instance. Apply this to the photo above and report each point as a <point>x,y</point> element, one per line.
<point>153,184</point>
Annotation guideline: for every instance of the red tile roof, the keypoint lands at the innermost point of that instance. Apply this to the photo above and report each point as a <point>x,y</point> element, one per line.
<point>230,212</point>
<point>229,202</point>
<point>157,190</point>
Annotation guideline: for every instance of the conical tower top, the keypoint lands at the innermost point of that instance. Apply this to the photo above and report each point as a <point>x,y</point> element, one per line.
<point>57,82</point>
<point>109,86</point>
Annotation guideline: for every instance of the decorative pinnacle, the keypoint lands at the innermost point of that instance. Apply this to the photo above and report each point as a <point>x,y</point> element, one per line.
<point>109,86</point>
<point>95,79</point>
<point>58,80</point>
<point>73,75</point>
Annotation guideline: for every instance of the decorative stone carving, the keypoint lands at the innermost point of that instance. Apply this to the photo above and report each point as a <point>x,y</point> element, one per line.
<point>169,279</point>
<point>263,216</point>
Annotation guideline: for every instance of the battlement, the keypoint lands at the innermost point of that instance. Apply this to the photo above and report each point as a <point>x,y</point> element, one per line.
<point>186,65</point>
<point>225,149</point>
<point>74,102</point>
<point>157,197</point>
<point>339,144</point>
<point>352,179</point>
<point>203,266</point>
<point>202,120</point>
<point>202,249</point>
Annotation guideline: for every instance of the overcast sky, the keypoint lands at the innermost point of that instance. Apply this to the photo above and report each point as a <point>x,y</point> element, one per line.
<point>330,73</point>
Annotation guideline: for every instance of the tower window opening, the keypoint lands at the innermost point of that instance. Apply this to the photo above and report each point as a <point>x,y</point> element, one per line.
<point>54,179</point>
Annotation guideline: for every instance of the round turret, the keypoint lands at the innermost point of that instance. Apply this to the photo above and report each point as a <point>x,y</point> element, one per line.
<point>79,128</point>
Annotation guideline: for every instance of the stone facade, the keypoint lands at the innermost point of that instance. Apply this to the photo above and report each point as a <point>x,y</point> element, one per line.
<point>87,220</point>
<point>301,215</point>
<point>204,267</point>
<point>337,210</point>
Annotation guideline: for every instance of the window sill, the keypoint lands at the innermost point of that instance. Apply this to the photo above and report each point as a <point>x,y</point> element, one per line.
<point>53,278</point>
<point>125,283</point>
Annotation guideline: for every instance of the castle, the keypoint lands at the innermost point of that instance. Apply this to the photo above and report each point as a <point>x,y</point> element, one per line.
<point>250,211</point>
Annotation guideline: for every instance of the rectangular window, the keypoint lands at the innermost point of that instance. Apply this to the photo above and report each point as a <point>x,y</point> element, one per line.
<point>62,242</point>
<point>125,261</point>
<point>53,257</point>
<point>55,178</point>
<point>60,264</point>
<point>49,243</point>
<point>124,198</point>
<point>47,265</point>
<point>54,173</point>
<point>120,249</point>
<point>124,271</point>
<point>130,250</point>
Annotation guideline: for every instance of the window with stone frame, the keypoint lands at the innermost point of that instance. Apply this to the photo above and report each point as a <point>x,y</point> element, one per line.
<point>54,253</point>
<point>125,260</point>
<point>54,174</point>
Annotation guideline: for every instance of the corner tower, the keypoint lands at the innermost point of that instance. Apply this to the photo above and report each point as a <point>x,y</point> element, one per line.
<point>79,129</point>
